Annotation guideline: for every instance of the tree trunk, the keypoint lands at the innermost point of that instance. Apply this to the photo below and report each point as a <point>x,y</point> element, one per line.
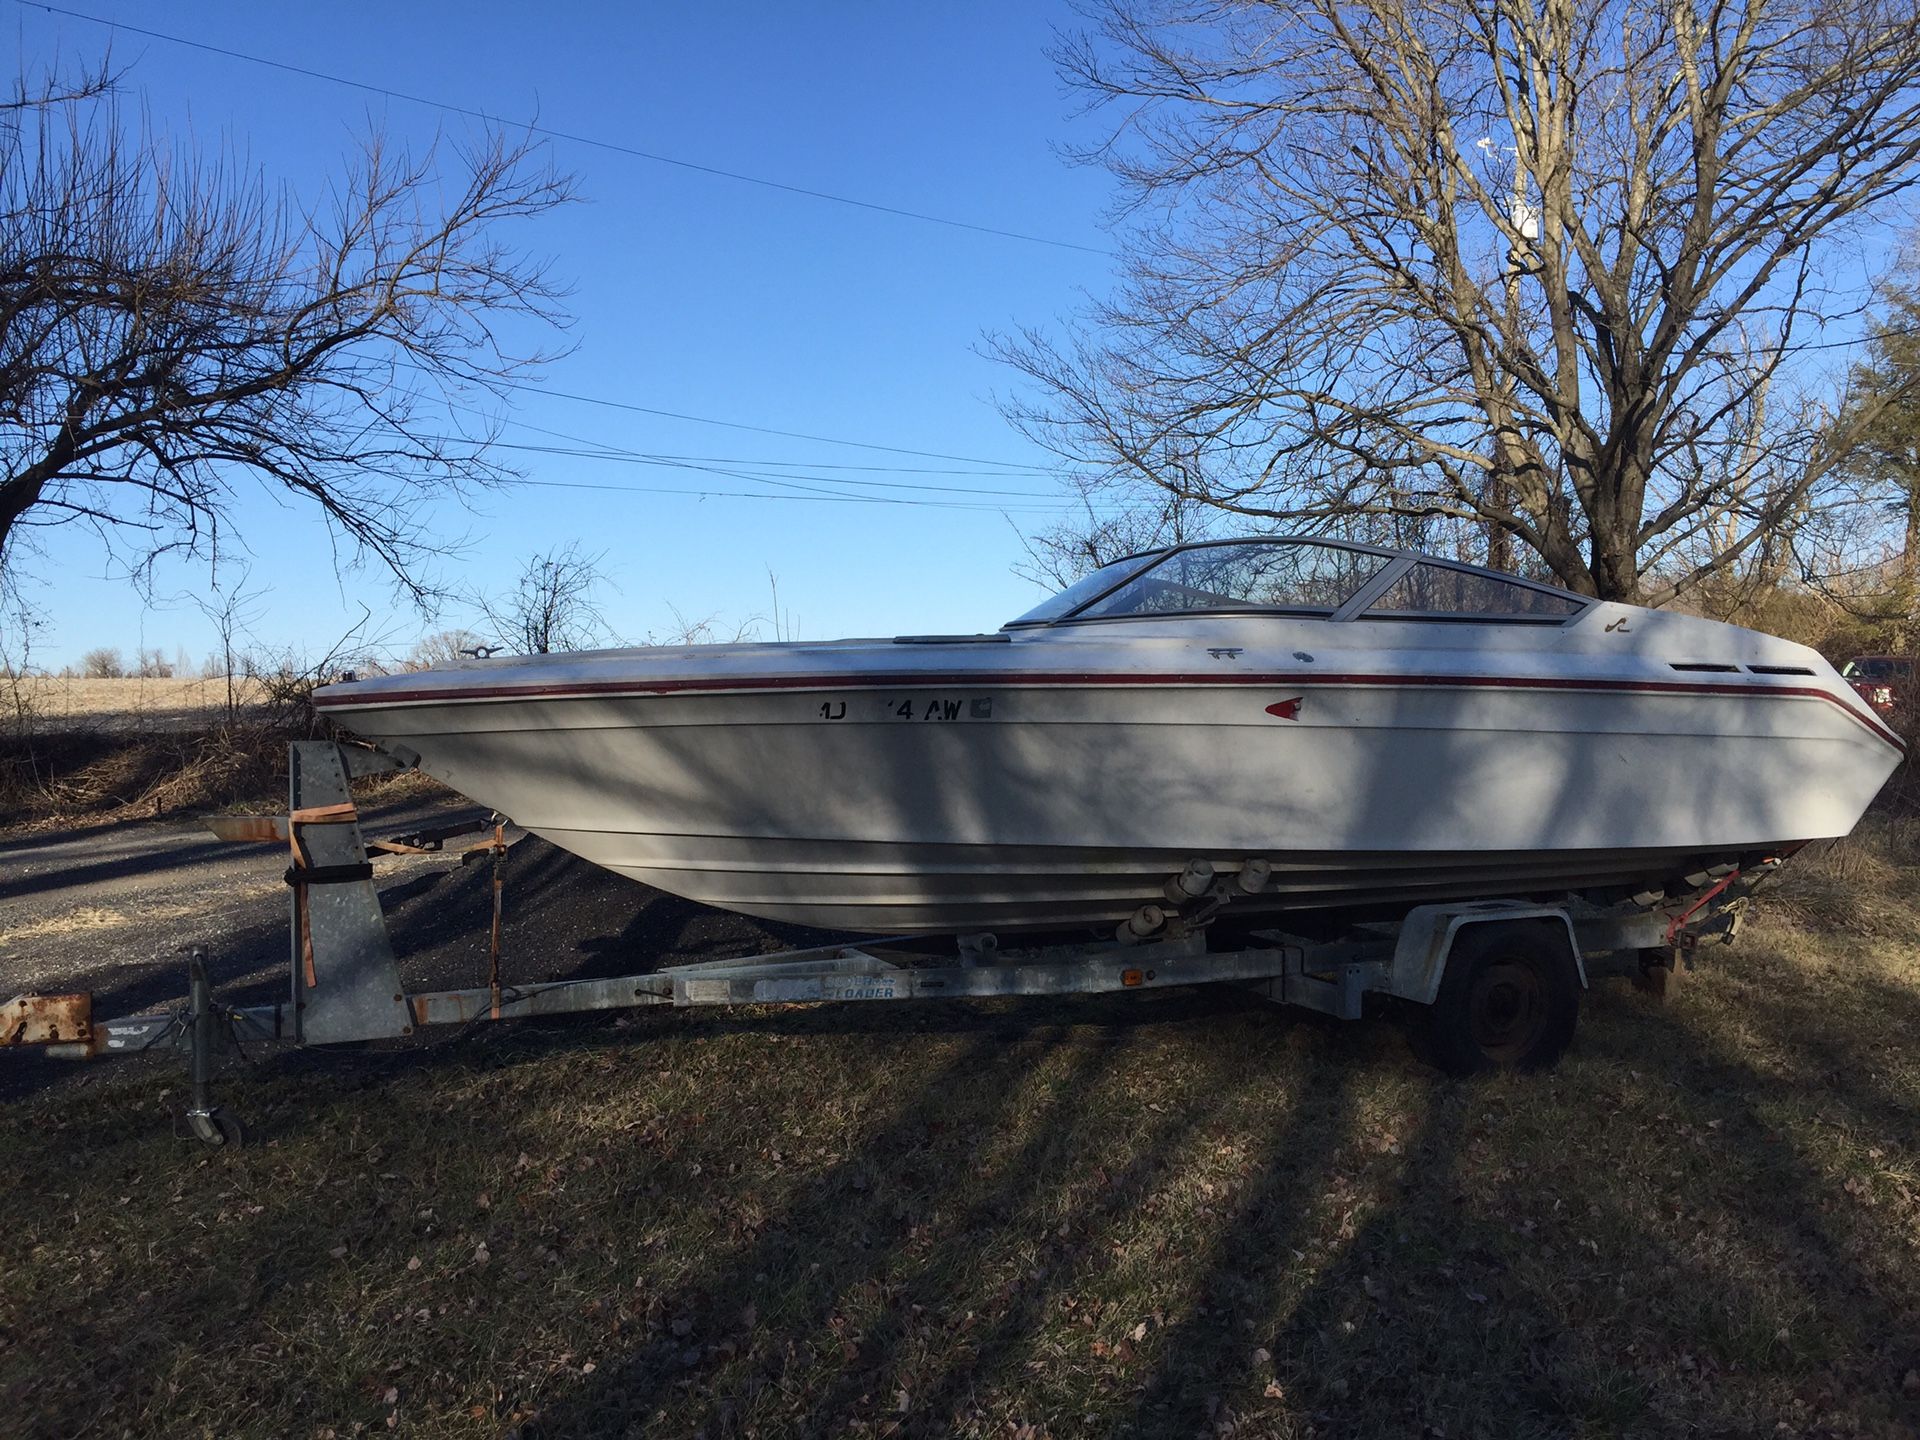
<point>1614,564</point>
<point>1909,589</point>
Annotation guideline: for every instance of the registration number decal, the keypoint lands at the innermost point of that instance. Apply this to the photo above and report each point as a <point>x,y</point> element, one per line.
<point>918,708</point>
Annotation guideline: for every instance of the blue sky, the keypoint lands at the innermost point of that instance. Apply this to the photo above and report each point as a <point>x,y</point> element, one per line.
<point>690,292</point>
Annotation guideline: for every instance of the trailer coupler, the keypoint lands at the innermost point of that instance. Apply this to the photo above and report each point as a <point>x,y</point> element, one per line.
<point>63,1027</point>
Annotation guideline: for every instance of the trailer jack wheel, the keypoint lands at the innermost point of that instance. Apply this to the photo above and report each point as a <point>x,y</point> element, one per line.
<point>217,1127</point>
<point>1509,1000</point>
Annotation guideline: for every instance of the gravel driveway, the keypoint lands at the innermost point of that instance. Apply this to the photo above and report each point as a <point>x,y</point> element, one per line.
<point>113,909</point>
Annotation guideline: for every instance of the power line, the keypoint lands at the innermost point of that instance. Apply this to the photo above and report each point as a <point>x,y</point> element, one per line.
<point>570,136</point>
<point>764,495</point>
<point>789,487</point>
<point>595,449</point>
<point>606,450</point>
<point>822,464</point>
<point>617,455</point>
<point>756,429</point>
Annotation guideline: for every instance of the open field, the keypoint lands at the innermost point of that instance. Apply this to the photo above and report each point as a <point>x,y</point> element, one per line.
<point>58,703</point>
<point>1171,1215</point>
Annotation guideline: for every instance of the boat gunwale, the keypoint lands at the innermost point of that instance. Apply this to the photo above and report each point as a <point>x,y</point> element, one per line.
<point>748,684</point>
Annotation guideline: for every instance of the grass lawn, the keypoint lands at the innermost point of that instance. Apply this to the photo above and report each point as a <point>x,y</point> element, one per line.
<point>1172,1215</point>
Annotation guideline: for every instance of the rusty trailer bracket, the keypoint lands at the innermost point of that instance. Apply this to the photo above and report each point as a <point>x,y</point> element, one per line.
<point>47,1020</point>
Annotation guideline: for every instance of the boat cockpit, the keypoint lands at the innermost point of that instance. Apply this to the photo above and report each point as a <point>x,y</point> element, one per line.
<point>1324,579</point>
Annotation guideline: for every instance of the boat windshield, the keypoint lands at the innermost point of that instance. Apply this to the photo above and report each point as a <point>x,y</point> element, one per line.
<point>1085,588</point>
<point>1430,590</point>
<point>1297,575</point>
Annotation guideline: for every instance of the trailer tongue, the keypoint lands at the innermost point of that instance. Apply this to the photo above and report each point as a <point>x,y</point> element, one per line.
<point>1500,978</point>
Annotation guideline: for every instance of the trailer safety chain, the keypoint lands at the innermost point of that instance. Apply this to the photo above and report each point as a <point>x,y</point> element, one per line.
<point>1678,923</point>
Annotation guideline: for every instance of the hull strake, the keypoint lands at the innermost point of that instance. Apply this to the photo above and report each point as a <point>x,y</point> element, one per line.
<point>902,890</point>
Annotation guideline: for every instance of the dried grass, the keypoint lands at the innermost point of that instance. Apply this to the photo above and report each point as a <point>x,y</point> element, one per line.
<point>62,703</point>
<point>1866,884</point>
<point>1166,1216</point>
<point>118,775</point>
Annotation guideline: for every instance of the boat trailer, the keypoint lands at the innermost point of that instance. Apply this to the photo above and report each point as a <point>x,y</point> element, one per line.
<point>346,987</point>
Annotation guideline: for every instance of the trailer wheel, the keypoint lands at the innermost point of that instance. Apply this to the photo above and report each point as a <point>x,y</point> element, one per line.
<point>1508,1001</point>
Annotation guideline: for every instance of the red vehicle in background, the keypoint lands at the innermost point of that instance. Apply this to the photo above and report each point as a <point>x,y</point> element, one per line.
<point>1883,681</point>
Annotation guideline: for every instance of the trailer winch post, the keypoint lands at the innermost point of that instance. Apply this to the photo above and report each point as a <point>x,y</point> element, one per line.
<point>354,993</point>
<point>493,935</point>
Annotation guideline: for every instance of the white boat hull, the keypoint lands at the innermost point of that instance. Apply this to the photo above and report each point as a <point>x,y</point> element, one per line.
<point>995,788</point>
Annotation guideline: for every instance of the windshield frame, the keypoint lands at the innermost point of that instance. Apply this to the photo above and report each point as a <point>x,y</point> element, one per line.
<point>1147,560</point>
<point>1354,607</point>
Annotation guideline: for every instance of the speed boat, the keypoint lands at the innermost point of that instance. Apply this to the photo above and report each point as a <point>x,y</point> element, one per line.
<point>1341,727</point>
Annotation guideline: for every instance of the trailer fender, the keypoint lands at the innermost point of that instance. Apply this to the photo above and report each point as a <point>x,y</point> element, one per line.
<point>1427,934</point>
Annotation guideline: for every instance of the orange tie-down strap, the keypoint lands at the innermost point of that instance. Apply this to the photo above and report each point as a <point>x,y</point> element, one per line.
<point>325,814</point>
<point>341,814</point>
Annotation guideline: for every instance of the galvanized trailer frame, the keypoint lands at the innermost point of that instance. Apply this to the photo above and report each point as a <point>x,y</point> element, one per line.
<point>345,985</point>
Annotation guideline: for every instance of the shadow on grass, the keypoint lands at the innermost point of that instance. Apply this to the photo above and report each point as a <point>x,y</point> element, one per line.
<point>1125,1215</point>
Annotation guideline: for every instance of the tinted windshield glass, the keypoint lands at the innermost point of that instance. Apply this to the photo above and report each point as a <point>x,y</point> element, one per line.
<point>1875,668</point>
<point>1442,590</point>
<point>1085,588</point>
<point>1259,575</point>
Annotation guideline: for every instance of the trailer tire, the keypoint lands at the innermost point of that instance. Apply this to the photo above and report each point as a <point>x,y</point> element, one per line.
<point>1509,1000</point>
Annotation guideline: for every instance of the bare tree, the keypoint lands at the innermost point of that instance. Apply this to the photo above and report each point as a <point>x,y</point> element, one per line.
<point>1526,270</point>
<point>18,626</point>
<point>102,664</point>
<point>283,682</point>
<point>233,611</point>
<point>553,606</point>
<point>444,647</point>
<point>1061,554</point>
<point>170,327</point>
<point>1883,461</point>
